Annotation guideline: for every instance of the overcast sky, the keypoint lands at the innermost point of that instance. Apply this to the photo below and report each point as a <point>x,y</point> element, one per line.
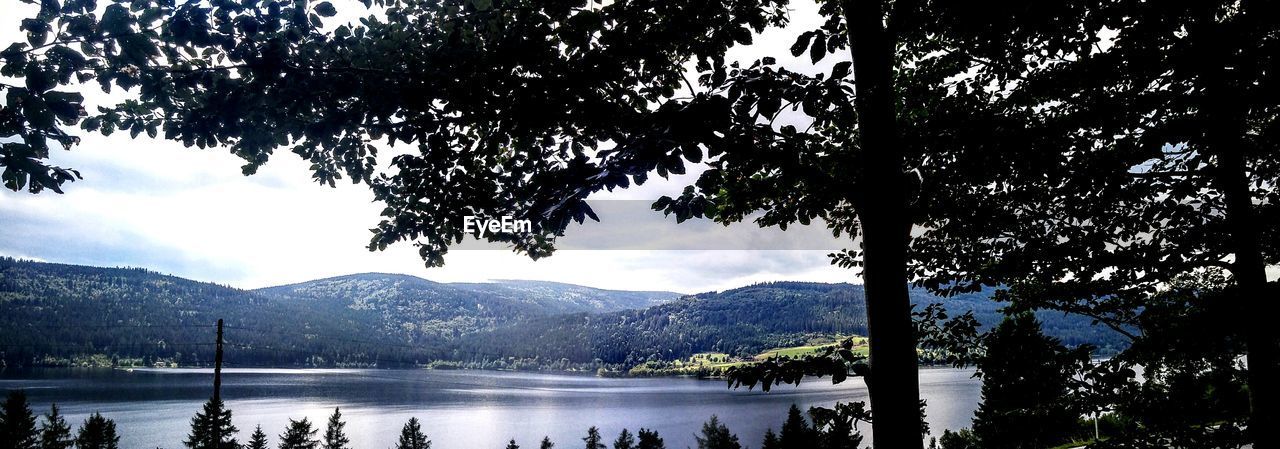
<point>154,204</point>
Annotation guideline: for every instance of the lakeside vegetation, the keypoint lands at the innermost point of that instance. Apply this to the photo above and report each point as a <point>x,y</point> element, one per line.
<point>717,364</point>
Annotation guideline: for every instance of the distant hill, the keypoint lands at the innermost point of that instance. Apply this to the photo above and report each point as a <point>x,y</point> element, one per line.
<point>741,322</point>
<point>558,297</point>
<point>506,298</point>
<point>70,314</point>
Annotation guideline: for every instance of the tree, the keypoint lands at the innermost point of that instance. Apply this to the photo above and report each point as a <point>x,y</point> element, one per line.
<point>334,437</point>
<point>511,115</point>
<point>211,428</point>
<point>961,439</point>
<point>411,436</point>
<point>512,444</point>
<point>19,424</point>
<point>1159,140</point>
<point>770,440</point>
<point>836,428</point>
<point>593,439</point>
<point>716,436</point>
<point>97,432</point>
<point>55,433</point>
<point>1026,381</point>
<point>546,443</point>
<point>258,440</point>
<point>625,440</point>
<point>796,432</point>
<point>299,435</point>
<point>649,439</point>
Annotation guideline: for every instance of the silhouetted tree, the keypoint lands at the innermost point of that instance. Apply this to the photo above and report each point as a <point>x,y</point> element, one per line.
<point>1026,380</point>
<point>214,416</point>
<point>796,433</point>
<point>97,432</point>
<point>512,444</point>
<point>55,433</point>
<point>835,428</point>
<point>299,435</point>
<point>716,435</point>
<point>17,423</point>
<point>649,439</point>
<point>258,440</point>
<point>546,443</point>
<point>961,439</point>
<point>625,440</point>
<point>770,440</point>
<point>411,436</point>
<point>334,437</point>
<point>593,439</point>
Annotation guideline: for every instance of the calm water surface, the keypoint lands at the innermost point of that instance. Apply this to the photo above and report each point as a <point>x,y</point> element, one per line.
<point>458,409</point>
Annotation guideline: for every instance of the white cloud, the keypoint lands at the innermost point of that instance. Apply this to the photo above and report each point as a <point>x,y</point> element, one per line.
<point>156,204</point>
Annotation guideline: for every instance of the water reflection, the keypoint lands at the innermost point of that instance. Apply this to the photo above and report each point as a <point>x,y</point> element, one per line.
<point>459,409</point>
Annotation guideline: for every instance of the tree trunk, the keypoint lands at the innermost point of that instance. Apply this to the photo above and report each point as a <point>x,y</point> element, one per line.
<point>1224,118</point>
<point>1249,271</point>
<point>882,213</point>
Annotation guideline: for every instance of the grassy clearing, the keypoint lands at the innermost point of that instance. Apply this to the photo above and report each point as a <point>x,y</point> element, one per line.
<point>712,363</point>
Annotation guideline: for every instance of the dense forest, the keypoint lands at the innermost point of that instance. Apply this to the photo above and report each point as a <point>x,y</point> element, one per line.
<point>75,315</point>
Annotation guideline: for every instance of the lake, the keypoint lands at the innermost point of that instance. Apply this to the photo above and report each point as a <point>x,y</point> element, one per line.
<point>458,409</point>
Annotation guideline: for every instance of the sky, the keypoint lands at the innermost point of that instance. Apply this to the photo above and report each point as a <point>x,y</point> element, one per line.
<point>154,204</point>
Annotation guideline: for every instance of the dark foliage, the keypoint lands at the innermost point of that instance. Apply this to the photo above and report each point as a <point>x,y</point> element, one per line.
<point>334,436</point>
<point>299,435</point>
<point>55,433</point>
<point>593,440</point>
<point>211,428</point>
<point>649,439</point>
<point>716,436</point>
<point>258,440</point>
<point>97,432</point>
<point>17,423</point>
<point>1026,382</point>
<point>411,436</point>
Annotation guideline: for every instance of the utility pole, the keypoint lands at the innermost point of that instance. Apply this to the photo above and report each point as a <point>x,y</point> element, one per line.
<point>217,366</point>
<point>216,434</point>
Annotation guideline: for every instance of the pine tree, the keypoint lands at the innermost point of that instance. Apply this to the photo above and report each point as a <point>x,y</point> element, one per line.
<point>299,435</point>
<point>411,436</point>
<point>593,439</point>
<point>1025,381</point>
<point>796,433</point>
<point>258,440</point>
<point>624,441</point>
<point>98,432</point>
<point>18,426</point>
<point>715,435</point>
<point>213,416</point>
<point>546,443</point>
<point>649,439</point>
<point>55,433</point>
<point>334,437</point>
<point>512,444</point>
<point>770,440</point>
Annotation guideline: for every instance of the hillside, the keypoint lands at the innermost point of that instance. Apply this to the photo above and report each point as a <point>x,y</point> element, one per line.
<point>740,322</point>
<point>501,298</point>
<point>67,314</point>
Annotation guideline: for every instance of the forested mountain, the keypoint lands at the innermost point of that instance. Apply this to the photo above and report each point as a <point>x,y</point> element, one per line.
<point>566,298</point>
<point>64,314</point>
<point>741,322</point>
<point>503,298</point>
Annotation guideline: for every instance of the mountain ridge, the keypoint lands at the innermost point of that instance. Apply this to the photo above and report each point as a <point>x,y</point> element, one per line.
<point>62,314</point>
